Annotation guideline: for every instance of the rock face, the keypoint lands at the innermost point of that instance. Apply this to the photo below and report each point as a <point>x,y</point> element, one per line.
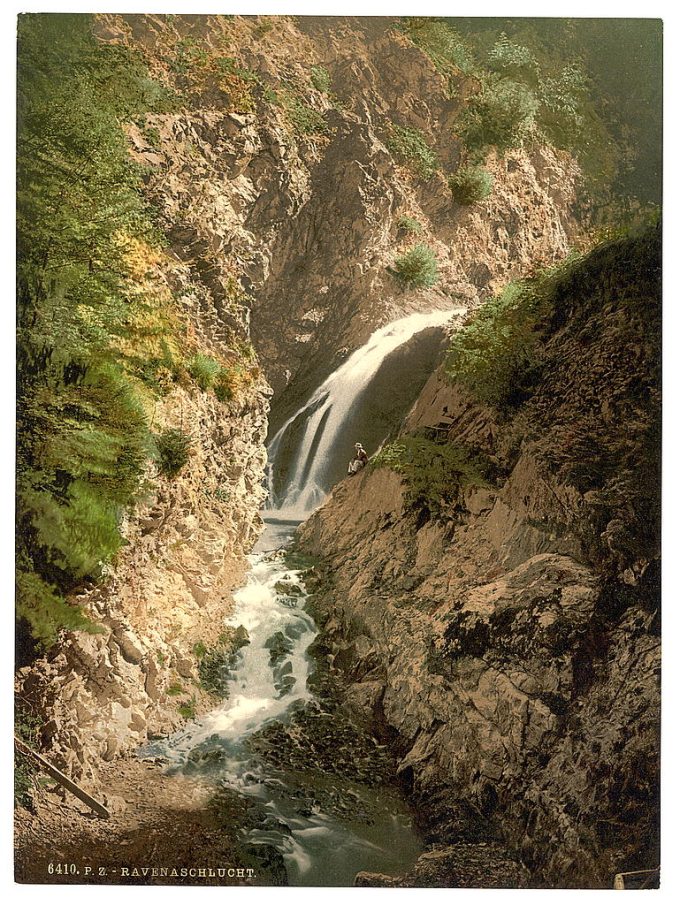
<point>281,202</point>
<point>305,212</point>
<point>168,591</point>
<point>163,601</point>
<point>510,648</point>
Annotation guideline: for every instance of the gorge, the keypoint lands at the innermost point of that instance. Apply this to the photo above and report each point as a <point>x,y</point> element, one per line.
<point>442,671</point>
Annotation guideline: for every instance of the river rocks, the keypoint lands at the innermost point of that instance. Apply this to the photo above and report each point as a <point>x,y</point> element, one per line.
<point>480,866</point>
<point>329,742</point>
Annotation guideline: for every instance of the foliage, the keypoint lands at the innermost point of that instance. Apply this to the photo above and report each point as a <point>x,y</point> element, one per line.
<point>320,78</point>
<point>506,56</point>
<point>227,383</point>
<point>264,26</point>
<point>206,74</point>
<point>199,650</point>
<point>83,437</point>
<point>153,136</point>
<point>470,184</point>
<point>187,710</point>
<point>493,353</point>
<point>589,87</point>
<point>174,451</point>
<point>502,115</point>
<point>204,369</point>
<point>441,42</point>
<point>304,119</point>
<point>417,268</point>
<point>215,664</point>
<point>411,149</point>
<point>409,225</point>
<point>434,470</point>
<point>26,773</point>
<point>270,96</point>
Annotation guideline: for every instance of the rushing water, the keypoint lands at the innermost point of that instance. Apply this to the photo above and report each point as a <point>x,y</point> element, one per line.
<point>325,414</point>
<point>319,847</point>
<point>326,827</point>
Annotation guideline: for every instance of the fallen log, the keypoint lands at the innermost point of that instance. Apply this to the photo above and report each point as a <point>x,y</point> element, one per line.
<point>62,779</point>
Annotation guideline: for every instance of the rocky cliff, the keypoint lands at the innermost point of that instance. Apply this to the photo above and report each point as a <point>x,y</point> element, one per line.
<point>281,205</point>
<point>508,645</point>
<point>161,605</point>
<point>299,195</point>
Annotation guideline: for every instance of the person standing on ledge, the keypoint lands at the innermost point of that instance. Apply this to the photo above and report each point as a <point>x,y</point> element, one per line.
<point>359,460</point>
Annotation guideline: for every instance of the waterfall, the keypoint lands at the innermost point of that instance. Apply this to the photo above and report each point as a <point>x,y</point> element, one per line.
<point>322,418</point>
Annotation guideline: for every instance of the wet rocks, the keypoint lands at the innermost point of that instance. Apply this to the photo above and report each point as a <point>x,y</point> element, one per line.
<point>328,741</point>
<point>279,647</point>
<point>462,866</point>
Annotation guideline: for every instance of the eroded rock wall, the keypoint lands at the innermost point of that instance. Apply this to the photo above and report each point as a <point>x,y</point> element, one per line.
<point>282,236</point>
<point>305,215</point>
<point>161,604</point>
<point>510,648</point>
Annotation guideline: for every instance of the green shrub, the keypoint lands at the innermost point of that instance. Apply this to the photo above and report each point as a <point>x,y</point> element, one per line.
<point>187,710</point>
<point>215,664</point>
<point>226,384</point>
<point>409,225</point>
<point>204,369</point>
<point>441,42</point>
<point>271,96</point>
<point>434,471</point>
<point>175,689</point>
<point>470,184</point>
<point>174,448</point>
<point>411,150</point>
<point>417,268</point>
<point>263,27</point>
<point>564,100</point>
<point>506,56</point>
<point>501,115</point>
<point>26,772</point>
<point>199,650</point>
<point>304,119</point>
<point>153,136</point>
<point>82,435</point>
<point>493,354</point>
<point>83,445</point>
<point>321,79</point>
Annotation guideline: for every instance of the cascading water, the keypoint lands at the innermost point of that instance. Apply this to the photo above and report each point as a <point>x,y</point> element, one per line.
<point>267,683</point>
<point>299,816</point>
<point>326,413</point>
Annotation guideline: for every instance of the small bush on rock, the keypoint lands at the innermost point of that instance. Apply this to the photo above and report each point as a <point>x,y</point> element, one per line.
<point>226,384</point>
<point>433,470</point>
<point>411,149</point>
<point>174,451</point>
<point>321,79</point>
<point>470,184</point>
<point>409,225</point>
<point>204,370</point>
<point>493,354</point>
<point>417,268</point>
<point>501,115</point>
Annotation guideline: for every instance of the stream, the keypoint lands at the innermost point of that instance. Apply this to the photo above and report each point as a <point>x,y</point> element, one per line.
<point>325,826</point>
<point>315,799</point>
